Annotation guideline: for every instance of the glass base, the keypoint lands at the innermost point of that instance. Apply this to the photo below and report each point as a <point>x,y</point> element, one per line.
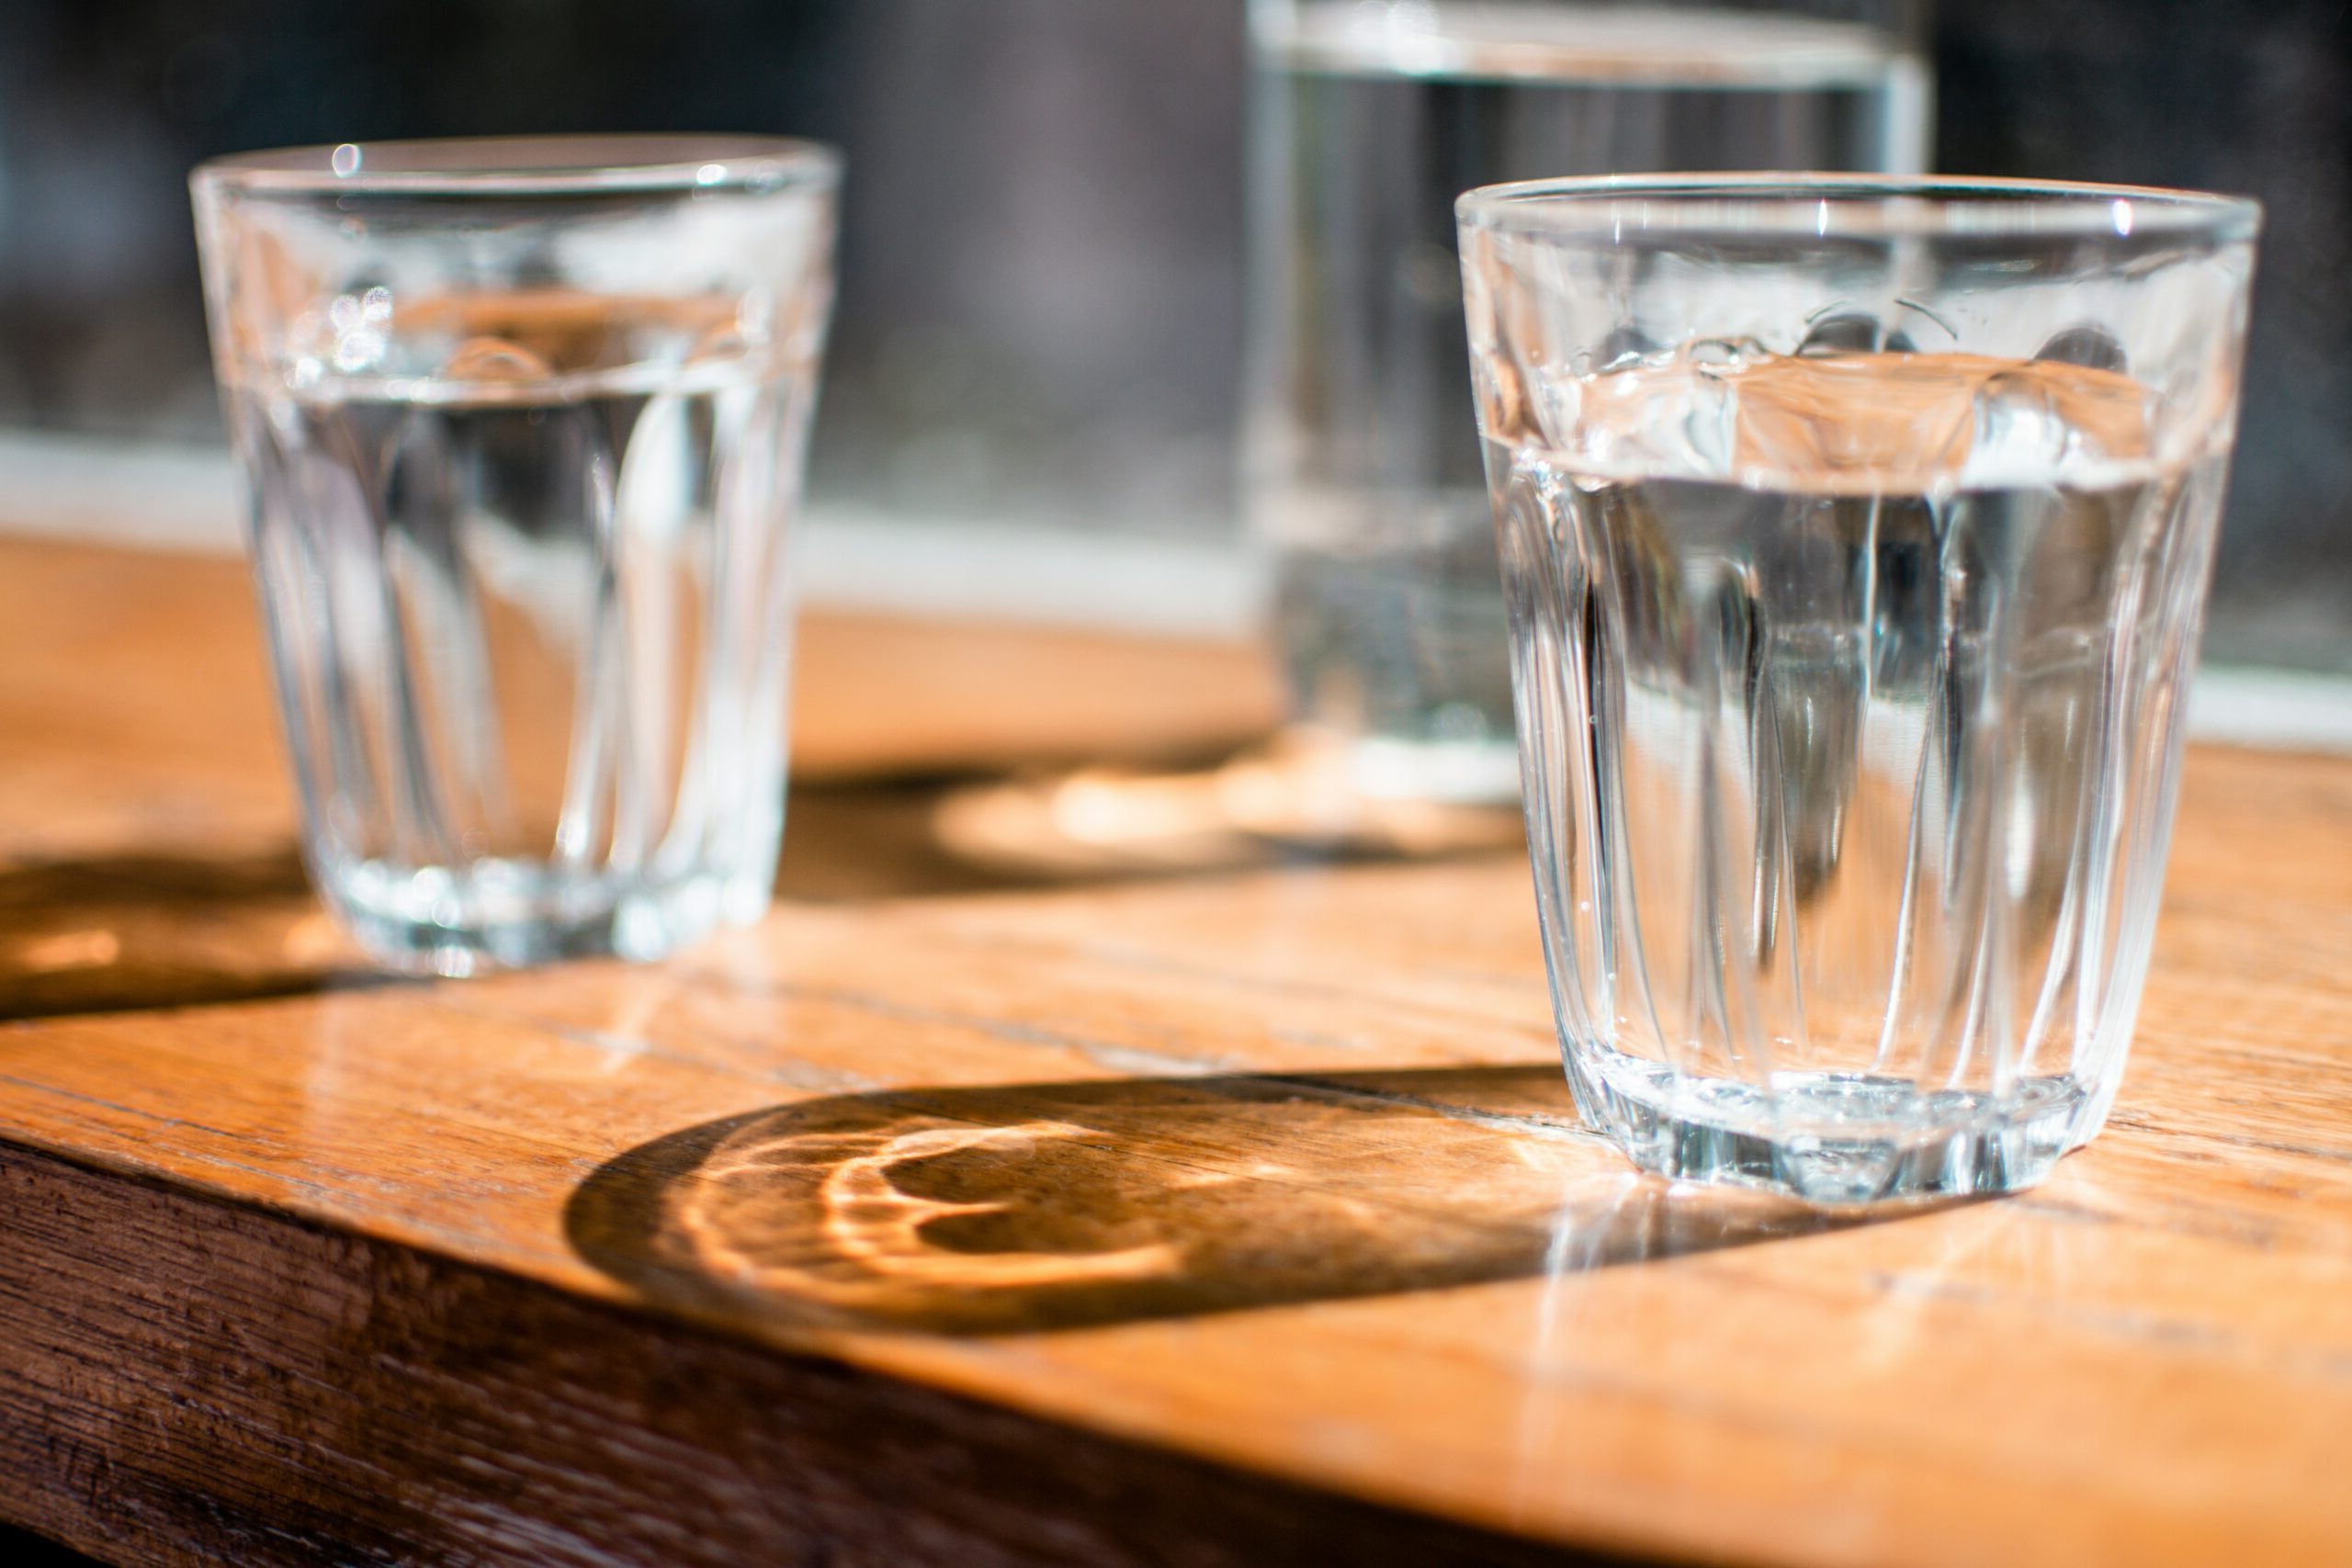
<point>1830,1139</point>
<point>509,915</point>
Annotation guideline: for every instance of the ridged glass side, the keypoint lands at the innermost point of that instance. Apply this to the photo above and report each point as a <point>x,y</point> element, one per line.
<point>1849,810</point>
<point>532,647</point>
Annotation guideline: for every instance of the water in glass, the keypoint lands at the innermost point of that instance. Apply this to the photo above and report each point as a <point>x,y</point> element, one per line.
<point>1364,468</point>
<point>527,608</point>
<point>1849,686</point>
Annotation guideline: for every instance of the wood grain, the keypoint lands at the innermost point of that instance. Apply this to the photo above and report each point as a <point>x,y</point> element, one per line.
<point>272,1394</point>
<point>1220,1218</point>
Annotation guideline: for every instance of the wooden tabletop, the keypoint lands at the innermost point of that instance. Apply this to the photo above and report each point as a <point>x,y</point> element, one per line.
<point>978,1209</point>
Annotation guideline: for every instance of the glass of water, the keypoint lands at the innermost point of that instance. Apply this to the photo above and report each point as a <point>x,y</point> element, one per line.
<point>1360,466</point>
<point>1855,536</point>
<point>522,425</point>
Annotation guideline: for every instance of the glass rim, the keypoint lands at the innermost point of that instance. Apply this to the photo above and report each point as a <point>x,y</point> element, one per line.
<point>1853,206</point>
<point>527,165</point>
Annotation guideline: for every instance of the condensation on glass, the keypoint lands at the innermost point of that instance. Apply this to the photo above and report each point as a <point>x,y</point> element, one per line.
<point>522,424</point>
<point>1855,537</point>
<point>1361,465</point>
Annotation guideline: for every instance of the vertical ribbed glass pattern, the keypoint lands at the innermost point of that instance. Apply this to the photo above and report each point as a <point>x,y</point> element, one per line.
<point>1849,668</point>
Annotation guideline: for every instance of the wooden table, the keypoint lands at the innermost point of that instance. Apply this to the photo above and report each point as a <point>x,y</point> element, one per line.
<point>957,1215</point>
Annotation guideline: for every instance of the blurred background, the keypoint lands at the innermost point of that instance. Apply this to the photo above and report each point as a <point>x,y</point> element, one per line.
<point>1038,345</point>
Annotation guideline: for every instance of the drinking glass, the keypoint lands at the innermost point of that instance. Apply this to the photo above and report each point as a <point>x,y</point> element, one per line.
<point>522,425</point>
<point>1361,466</point>
<point>1855,536</point>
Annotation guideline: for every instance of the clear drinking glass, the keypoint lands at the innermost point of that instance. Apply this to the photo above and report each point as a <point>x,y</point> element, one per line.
<point>1855,536</point>
<point>522,424</point>
<point>1360,466</point>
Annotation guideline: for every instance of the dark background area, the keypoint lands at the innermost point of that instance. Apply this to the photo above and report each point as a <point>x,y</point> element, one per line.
<point>1041,303</point>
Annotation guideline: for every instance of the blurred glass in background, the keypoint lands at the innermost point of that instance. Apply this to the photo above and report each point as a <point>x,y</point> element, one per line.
<point>1039,327</point>
<point>1361,464</point>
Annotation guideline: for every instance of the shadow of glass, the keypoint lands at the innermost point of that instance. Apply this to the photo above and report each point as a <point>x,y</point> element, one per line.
<point>143,929</point>
<point>157,928</point>
<point>1274,803</point>
<point>845,841</point>
<point>1058,1205</point>
<point>871,839</point>
<point>154,930</point>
